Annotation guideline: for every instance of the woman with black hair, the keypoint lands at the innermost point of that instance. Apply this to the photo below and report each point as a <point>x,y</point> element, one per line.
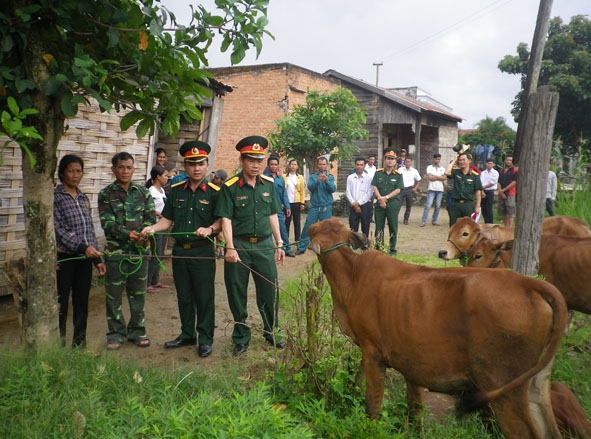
<point>75,236</point>
<point>158,179</point>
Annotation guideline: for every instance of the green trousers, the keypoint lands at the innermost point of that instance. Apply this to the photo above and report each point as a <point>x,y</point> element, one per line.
<point>260,258</point>
<point>459,210</point>
<point>194,280</point>
<point>125,275</point>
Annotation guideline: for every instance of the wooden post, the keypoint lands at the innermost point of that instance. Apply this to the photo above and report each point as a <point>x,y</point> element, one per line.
<point>533,70</point>
<point>538,129</point>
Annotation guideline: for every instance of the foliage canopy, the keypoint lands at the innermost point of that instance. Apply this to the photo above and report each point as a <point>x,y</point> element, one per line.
<point>490,131</point>
<point>327,124</point>
<point>566,66</point>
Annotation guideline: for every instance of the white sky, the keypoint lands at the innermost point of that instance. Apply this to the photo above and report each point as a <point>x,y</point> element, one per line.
<point>449,48</point>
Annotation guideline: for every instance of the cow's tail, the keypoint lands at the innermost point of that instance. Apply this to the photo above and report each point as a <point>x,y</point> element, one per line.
<point>474,401</point>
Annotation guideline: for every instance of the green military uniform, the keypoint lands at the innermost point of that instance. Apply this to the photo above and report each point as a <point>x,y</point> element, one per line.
<point>193,262</point>
<point>249,209</point>
<point>386,183</point>
<point>463,194</point>
<point>120,213</point>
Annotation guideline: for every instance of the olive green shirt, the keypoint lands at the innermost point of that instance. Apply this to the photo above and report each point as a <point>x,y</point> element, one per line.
<point>386,183</point>
<point>249,208</point>
<point>122,212</point>
<point>189,210</point>
<point>465,185</point>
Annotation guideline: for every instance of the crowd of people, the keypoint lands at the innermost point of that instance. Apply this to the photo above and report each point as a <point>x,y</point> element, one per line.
<point>246,220</point>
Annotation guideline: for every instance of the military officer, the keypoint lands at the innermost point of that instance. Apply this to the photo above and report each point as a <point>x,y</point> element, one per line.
<point>190,210</point>
<point>387,183</point>
<point>467,188</point>
<point>248,208</point>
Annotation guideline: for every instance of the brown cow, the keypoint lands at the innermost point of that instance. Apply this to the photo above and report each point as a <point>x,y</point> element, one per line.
<point>570,416</point>
<point>564,261</point>
<point>465,233</point>
<point>477,333</point>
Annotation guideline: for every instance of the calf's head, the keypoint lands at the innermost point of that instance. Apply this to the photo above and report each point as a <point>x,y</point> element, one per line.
<point>332,233</point>
<point>490,253</point>
<point>460,239</point>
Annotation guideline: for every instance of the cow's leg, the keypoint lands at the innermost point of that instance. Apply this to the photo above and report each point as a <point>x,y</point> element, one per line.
<point>540,403</point>
<point>414,399</point>
<point>375,371</point>
<point>513,415</point>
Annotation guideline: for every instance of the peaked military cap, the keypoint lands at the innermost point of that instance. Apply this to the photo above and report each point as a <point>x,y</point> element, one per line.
<point>253,146</point>
<point>194,151</point>
<point>390,152</point>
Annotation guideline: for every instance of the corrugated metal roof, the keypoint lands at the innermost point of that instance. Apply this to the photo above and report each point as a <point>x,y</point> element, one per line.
<point>394,96</point>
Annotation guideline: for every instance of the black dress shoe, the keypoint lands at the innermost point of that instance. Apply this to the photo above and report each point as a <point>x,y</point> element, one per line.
<point>180,342</point>
<point>300,252</point>
<point>204,350</point>
<point>279,344</point>
<point>290,255</point>
<point>240,348</point>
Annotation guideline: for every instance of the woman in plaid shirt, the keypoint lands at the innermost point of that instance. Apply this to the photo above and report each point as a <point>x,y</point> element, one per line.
<point>74,235</point>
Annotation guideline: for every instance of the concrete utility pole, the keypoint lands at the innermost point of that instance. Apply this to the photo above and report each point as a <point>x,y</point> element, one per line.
<point>378,64</point>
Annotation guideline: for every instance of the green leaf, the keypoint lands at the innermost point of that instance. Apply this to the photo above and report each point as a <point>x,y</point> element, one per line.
<point>12,106</point>
<point>50,86</point>
<point>130,119</point>
<point>67,105</point>
<point>6,43</point>
<point>143,127</point>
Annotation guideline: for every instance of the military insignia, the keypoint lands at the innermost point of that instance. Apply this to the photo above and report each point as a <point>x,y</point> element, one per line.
<point>231,181</point>
<point>266,177</point>
<point>204,201</point>
<point>256,147</point>
<point>266,194</point>
<point>194,151</point>
<point>242,198</point>
<point>213,186</point>
<point>203,187</point>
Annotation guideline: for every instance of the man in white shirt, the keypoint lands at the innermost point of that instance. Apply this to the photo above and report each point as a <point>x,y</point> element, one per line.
<point>370,167</point>
<point>359,193</point>
<point>489,179</point>
<point>411,178</point>
<point>436,176</point>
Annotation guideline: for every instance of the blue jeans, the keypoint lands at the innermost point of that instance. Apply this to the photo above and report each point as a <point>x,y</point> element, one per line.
<point>315,214</point>
<point>432,196</point>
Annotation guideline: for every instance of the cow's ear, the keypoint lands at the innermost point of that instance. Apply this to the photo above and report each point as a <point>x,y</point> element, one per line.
<point>314,246</point>
<point>506,246</point>
<point>357,240</point>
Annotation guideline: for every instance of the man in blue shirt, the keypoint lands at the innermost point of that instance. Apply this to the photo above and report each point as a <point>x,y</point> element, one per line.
<point>279,183</point>
<point>321,186</point>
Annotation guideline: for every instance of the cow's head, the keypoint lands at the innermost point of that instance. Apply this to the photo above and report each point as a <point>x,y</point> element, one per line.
<point>462,236</point>
<point>332,233</point>
<point>490,253</point>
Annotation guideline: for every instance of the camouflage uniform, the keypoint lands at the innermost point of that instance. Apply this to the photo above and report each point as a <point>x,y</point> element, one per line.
<point>120,213</point>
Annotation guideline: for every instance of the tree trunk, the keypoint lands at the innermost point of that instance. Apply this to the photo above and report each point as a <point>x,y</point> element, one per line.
<point>538,130</point>
<point>39,305</point>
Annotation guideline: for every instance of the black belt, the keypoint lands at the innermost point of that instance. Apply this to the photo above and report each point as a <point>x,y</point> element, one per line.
<point>193,244</point>
<point>252,239</point>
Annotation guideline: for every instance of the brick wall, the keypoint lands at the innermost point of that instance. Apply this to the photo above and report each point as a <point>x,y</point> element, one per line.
<point>257,101</point>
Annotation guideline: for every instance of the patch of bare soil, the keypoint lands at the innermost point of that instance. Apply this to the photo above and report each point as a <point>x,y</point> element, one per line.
<point>163,324</point>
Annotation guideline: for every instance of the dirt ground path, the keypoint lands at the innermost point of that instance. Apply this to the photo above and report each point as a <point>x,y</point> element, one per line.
<point>162,319</point>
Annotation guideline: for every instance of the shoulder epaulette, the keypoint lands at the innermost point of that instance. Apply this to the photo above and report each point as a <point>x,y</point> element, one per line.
<point>179,183</point>
<point>266,177</point>
<point>380,170</point>
<point>398,171</point>
<point>215,187</point>
<point>474,172</point>
<point>231,181</point>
